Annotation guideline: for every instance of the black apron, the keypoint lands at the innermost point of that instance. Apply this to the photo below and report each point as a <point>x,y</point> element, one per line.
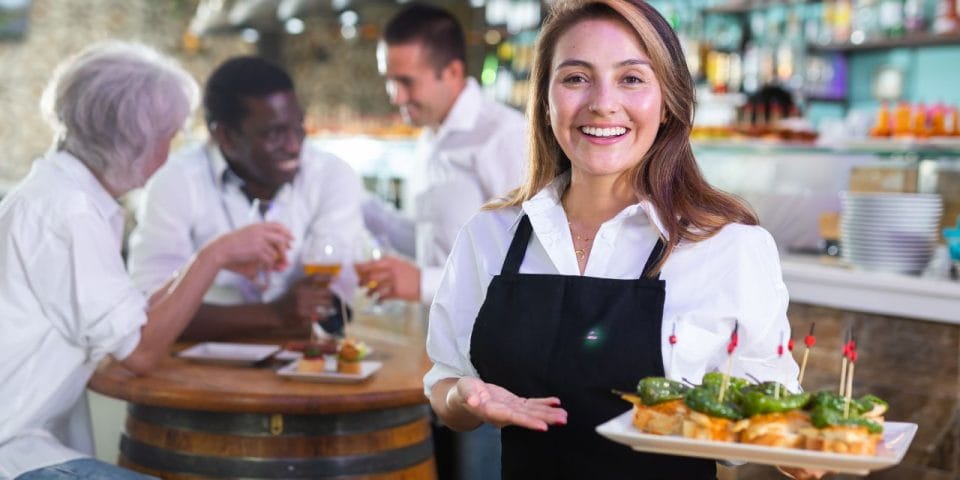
<point>575,338</point>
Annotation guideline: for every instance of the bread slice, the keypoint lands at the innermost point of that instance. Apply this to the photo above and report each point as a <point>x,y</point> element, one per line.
<point>704,427</point>
<point>775,429</point>
<point>662,419</point>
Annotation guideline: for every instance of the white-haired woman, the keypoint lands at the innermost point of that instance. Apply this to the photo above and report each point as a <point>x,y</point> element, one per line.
<point>66,299</point>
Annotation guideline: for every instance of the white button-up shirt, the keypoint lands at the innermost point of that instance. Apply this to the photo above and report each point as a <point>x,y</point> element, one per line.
<point>65,302</point>
<point>733,275</point>
<point>194,198</point>
<point>478,154</point>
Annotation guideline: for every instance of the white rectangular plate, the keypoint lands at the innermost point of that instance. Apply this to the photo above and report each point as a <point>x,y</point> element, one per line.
<point>896,438</point>
<point>367,368</point>
<point>228,353</point>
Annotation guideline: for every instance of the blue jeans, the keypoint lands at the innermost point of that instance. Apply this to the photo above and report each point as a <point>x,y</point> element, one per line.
<point>479,454</point>
<point>83,468</point>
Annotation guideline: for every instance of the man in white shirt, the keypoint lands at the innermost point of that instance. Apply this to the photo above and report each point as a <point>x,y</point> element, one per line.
<point>65,297</point>
<point>256,167</point>
<point>471,150</point>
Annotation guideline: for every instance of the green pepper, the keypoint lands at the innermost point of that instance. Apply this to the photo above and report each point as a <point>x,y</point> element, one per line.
<point>758,401</point>
<point>657,390</point>
<point>823,416</point>
<point>735,385</point>
<point>868,402</point>
<point>704,399</point>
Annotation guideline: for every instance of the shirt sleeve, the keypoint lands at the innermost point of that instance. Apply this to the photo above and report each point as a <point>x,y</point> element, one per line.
<point>386,223</point>
<point>461,292</point>
<point>739,283</point>
<point>763,299</point>
<point>77,275</point>
<point>161,243</point>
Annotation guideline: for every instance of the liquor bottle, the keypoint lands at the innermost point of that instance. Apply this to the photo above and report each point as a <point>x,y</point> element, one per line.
<point>915,17</point>
<point>842,13</point>
<point>891,18</point>
<point>945,19</point>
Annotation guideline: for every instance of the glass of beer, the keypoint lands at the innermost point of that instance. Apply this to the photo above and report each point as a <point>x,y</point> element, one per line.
<point>322,259</point>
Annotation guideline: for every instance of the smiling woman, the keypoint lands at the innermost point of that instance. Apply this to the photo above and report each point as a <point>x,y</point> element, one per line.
<point>570,287</point>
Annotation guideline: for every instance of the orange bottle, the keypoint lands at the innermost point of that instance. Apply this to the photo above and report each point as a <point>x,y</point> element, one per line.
<point>952,123</point>
<point>938,120</point>
<point>901,120</point>
<point>882,127</point>
<point>919,122</point>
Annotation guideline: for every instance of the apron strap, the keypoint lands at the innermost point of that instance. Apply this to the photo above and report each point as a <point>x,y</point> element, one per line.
<point>653,258</point>
<point>518,248</point>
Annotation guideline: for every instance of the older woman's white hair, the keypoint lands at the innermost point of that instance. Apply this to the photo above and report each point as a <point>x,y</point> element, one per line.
<point>113,105</point>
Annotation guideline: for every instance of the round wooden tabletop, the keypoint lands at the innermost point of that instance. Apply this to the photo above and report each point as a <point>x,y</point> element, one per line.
<point>182,384</point>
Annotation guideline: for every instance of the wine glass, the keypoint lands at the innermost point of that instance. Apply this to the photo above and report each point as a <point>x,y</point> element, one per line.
<point>259,209</point>
<point>322,259</point>
<point>370,249</point>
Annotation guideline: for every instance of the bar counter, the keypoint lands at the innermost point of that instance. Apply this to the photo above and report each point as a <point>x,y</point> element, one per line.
<point>196,420</point>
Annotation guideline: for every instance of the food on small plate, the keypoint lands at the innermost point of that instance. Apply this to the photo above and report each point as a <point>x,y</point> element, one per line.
<point>352,352</point>
<point>774,416</point>
<point>858,432</point>
<point>317,357</point>
<point>658,406</point>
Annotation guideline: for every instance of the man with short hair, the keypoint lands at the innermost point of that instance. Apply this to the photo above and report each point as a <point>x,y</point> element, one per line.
<point>472,150</point>
<point>256,167</point>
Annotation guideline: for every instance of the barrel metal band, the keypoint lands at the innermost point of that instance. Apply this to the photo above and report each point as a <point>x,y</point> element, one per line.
<point>170,461</point>
<point>260,424</point>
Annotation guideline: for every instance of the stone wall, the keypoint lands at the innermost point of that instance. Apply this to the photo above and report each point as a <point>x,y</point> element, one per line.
<point>914,365</point>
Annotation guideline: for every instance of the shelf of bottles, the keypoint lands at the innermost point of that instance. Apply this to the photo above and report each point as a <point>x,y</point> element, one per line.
<point>740,46</point>
<point>511,35</point>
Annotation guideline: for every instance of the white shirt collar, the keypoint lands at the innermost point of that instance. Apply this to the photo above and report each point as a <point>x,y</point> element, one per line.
<point>465,110</point>
<point>550,198</point>
<point>70,165</point>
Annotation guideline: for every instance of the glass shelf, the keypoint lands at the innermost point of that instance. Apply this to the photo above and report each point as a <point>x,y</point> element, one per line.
<point>935,147</point>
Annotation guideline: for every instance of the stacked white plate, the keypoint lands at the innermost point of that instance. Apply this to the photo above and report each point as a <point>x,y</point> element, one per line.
<point>889,232</point>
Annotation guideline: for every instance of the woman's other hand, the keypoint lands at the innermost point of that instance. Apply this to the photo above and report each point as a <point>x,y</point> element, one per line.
<point>500,407</point>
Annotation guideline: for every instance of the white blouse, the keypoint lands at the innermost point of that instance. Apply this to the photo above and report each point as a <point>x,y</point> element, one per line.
<point>731,277</point>
<point>66,302</point>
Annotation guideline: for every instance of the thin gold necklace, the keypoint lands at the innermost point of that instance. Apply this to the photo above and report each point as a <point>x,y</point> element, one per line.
<point>584,244</point>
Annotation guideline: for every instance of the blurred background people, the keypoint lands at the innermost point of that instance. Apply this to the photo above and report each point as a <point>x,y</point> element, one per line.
<point>255,167</point>
<point>66,298</point>
<point>471,150</point>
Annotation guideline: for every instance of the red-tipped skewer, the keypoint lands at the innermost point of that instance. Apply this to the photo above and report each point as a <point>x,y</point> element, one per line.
<point>808,342</point>
<point>734,340</point>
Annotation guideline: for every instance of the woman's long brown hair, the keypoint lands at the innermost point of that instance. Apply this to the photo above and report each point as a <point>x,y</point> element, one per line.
<point>667,175</point>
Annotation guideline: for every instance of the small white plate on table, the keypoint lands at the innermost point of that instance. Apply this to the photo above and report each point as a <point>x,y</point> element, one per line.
<point>896,439</point>
<point>367,369</point>
<point>222,353</point>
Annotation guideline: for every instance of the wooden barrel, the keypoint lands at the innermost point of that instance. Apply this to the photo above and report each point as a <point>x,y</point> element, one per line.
<point>390,443</point>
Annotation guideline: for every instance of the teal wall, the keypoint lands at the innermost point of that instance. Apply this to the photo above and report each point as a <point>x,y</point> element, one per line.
<point>931,74</point>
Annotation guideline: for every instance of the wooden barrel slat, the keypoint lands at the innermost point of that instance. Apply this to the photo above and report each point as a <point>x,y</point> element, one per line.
<point>317,467</point>
<point>203,443</point>
<point>425,470</point>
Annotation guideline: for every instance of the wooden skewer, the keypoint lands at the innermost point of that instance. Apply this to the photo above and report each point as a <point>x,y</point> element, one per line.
<point>726,377</point>
<point>846,404</point>
<point>843,375</point>
<point>803,365</point>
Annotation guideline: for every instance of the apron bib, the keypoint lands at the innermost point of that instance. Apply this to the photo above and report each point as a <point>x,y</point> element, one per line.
<point>576,338</point>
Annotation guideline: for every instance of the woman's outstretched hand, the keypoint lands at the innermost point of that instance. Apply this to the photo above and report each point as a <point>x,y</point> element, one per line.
<point>500,407</point>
